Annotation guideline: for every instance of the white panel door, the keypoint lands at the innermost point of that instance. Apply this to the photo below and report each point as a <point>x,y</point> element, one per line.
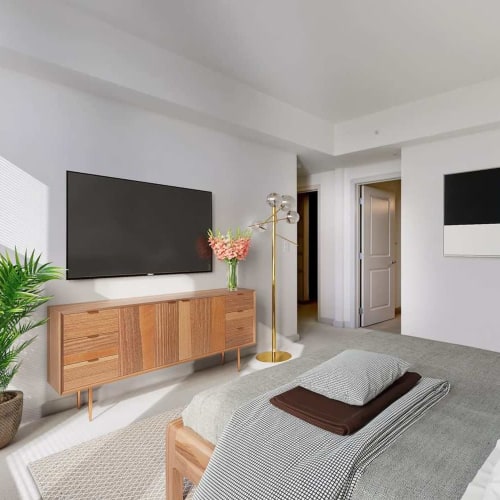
<point>378,218</point>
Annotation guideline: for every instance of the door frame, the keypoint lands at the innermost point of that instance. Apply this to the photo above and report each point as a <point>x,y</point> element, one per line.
<point>311,188</point>
<point>356,189</point>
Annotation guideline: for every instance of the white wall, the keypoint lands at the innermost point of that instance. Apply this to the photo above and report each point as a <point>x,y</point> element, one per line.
<point>327,259</point>
<point>46,129</point>
<point>454,299</point>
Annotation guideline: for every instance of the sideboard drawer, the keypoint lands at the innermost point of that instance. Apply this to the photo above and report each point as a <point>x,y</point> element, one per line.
<point>90,323</point>
<point>239,301</point>
<point>97,345</point>
<point>89,373</point>
<point>239,331</point>
<point>241,314</point>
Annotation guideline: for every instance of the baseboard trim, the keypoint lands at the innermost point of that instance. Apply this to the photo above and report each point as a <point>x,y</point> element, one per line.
<point>339,324</point>
<point>325,321</point>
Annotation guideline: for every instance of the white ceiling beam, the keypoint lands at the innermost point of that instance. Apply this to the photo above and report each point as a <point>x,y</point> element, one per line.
<point>54,40</point>
<point>464,110</point>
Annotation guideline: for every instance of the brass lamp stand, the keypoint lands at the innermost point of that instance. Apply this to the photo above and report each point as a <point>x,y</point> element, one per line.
<point>278,204</point>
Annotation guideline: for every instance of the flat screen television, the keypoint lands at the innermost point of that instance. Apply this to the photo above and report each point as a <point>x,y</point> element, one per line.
<point>118,227</point>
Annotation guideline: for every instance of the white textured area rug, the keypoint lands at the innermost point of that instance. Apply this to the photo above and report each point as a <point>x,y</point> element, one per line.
<point>126,464</point>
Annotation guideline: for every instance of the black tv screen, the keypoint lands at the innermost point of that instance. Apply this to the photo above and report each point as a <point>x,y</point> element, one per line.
<point>119,227</point>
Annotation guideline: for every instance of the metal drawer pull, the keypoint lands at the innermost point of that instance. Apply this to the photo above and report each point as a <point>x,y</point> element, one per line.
<point>93,360</point>
<point>93,312</point>
<point>95,335</point>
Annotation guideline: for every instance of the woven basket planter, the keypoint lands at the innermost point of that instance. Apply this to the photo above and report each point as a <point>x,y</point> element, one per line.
<point>11,412</point>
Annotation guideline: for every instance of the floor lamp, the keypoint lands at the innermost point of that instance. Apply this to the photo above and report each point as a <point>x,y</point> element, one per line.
<point>281,206</point>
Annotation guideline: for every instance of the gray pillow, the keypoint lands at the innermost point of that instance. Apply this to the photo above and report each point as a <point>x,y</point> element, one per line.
<point>354,377</point>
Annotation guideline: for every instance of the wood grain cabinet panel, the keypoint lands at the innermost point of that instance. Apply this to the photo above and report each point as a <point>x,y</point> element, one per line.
<point>167,333</point>
<point>137,339</point>
<point>201,327</point>
<point>194,325</point>
<point>218,324</point>
<point>148,337</point>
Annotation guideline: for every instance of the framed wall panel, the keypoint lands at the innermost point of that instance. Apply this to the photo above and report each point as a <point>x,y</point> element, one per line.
<point>472,213</point>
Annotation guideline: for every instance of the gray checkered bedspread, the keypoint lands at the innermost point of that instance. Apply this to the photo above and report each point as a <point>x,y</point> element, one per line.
<point>265,453</point>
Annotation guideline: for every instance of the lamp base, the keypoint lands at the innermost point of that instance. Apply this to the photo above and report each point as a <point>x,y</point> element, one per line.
<point>273,357</point>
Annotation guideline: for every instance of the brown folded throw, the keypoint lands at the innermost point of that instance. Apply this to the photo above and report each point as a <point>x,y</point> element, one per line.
<point>338,417</point>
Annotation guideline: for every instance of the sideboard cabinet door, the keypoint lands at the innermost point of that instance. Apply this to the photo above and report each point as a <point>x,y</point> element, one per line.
<point>201,327</point>
<point>137,334</point>
<point>148,337</point>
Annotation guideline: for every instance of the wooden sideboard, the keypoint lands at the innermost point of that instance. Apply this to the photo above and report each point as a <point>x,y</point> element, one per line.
<point>95,343</point>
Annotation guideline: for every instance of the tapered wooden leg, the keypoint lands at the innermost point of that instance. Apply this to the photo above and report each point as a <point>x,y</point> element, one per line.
<point>222,357</point>
<point>90,396</point>
<point>78,399</point>
<point>239,363</point>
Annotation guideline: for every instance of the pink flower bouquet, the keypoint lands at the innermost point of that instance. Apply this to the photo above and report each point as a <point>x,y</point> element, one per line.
<point>231,248</point>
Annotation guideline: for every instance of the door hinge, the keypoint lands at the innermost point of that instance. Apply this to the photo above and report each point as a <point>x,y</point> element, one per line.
<point>361,201</point>
<point>361,311</point>
<point>361,256</point>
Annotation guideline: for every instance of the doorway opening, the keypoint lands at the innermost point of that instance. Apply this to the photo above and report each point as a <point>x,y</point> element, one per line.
<point>307,255</point>
<point>379,259</point>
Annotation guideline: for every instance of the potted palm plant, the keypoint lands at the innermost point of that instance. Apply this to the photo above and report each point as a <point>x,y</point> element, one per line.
<point>21,293</point>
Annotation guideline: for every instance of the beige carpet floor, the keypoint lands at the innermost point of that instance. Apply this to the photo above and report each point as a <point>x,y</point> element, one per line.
<point>128,464</point>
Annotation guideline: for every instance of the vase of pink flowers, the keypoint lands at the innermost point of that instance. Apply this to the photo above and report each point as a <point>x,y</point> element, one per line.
<point>230,247</point>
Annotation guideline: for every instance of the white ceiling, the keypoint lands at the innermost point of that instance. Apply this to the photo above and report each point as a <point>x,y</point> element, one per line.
<point>338,59</point>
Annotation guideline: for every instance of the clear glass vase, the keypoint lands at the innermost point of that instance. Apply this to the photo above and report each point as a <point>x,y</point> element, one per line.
<point>232,275</point>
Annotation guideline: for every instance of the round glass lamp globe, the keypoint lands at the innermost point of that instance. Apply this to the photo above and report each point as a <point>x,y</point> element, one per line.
<point>287,202</point>
<point>274,199</point>
<point>292,217</point>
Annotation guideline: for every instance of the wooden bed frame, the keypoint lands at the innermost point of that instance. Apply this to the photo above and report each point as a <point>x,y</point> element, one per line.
<point>187,456</point>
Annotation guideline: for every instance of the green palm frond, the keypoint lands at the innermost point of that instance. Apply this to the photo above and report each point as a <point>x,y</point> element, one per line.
<point>21,293</point>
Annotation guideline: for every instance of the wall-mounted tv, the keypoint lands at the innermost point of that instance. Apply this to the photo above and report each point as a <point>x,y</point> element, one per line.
<point>118,227</point>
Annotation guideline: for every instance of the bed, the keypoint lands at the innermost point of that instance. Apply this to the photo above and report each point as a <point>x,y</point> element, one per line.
<point>434,459</point>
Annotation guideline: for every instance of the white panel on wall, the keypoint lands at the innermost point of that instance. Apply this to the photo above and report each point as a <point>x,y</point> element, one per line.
<point>478,240</point>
